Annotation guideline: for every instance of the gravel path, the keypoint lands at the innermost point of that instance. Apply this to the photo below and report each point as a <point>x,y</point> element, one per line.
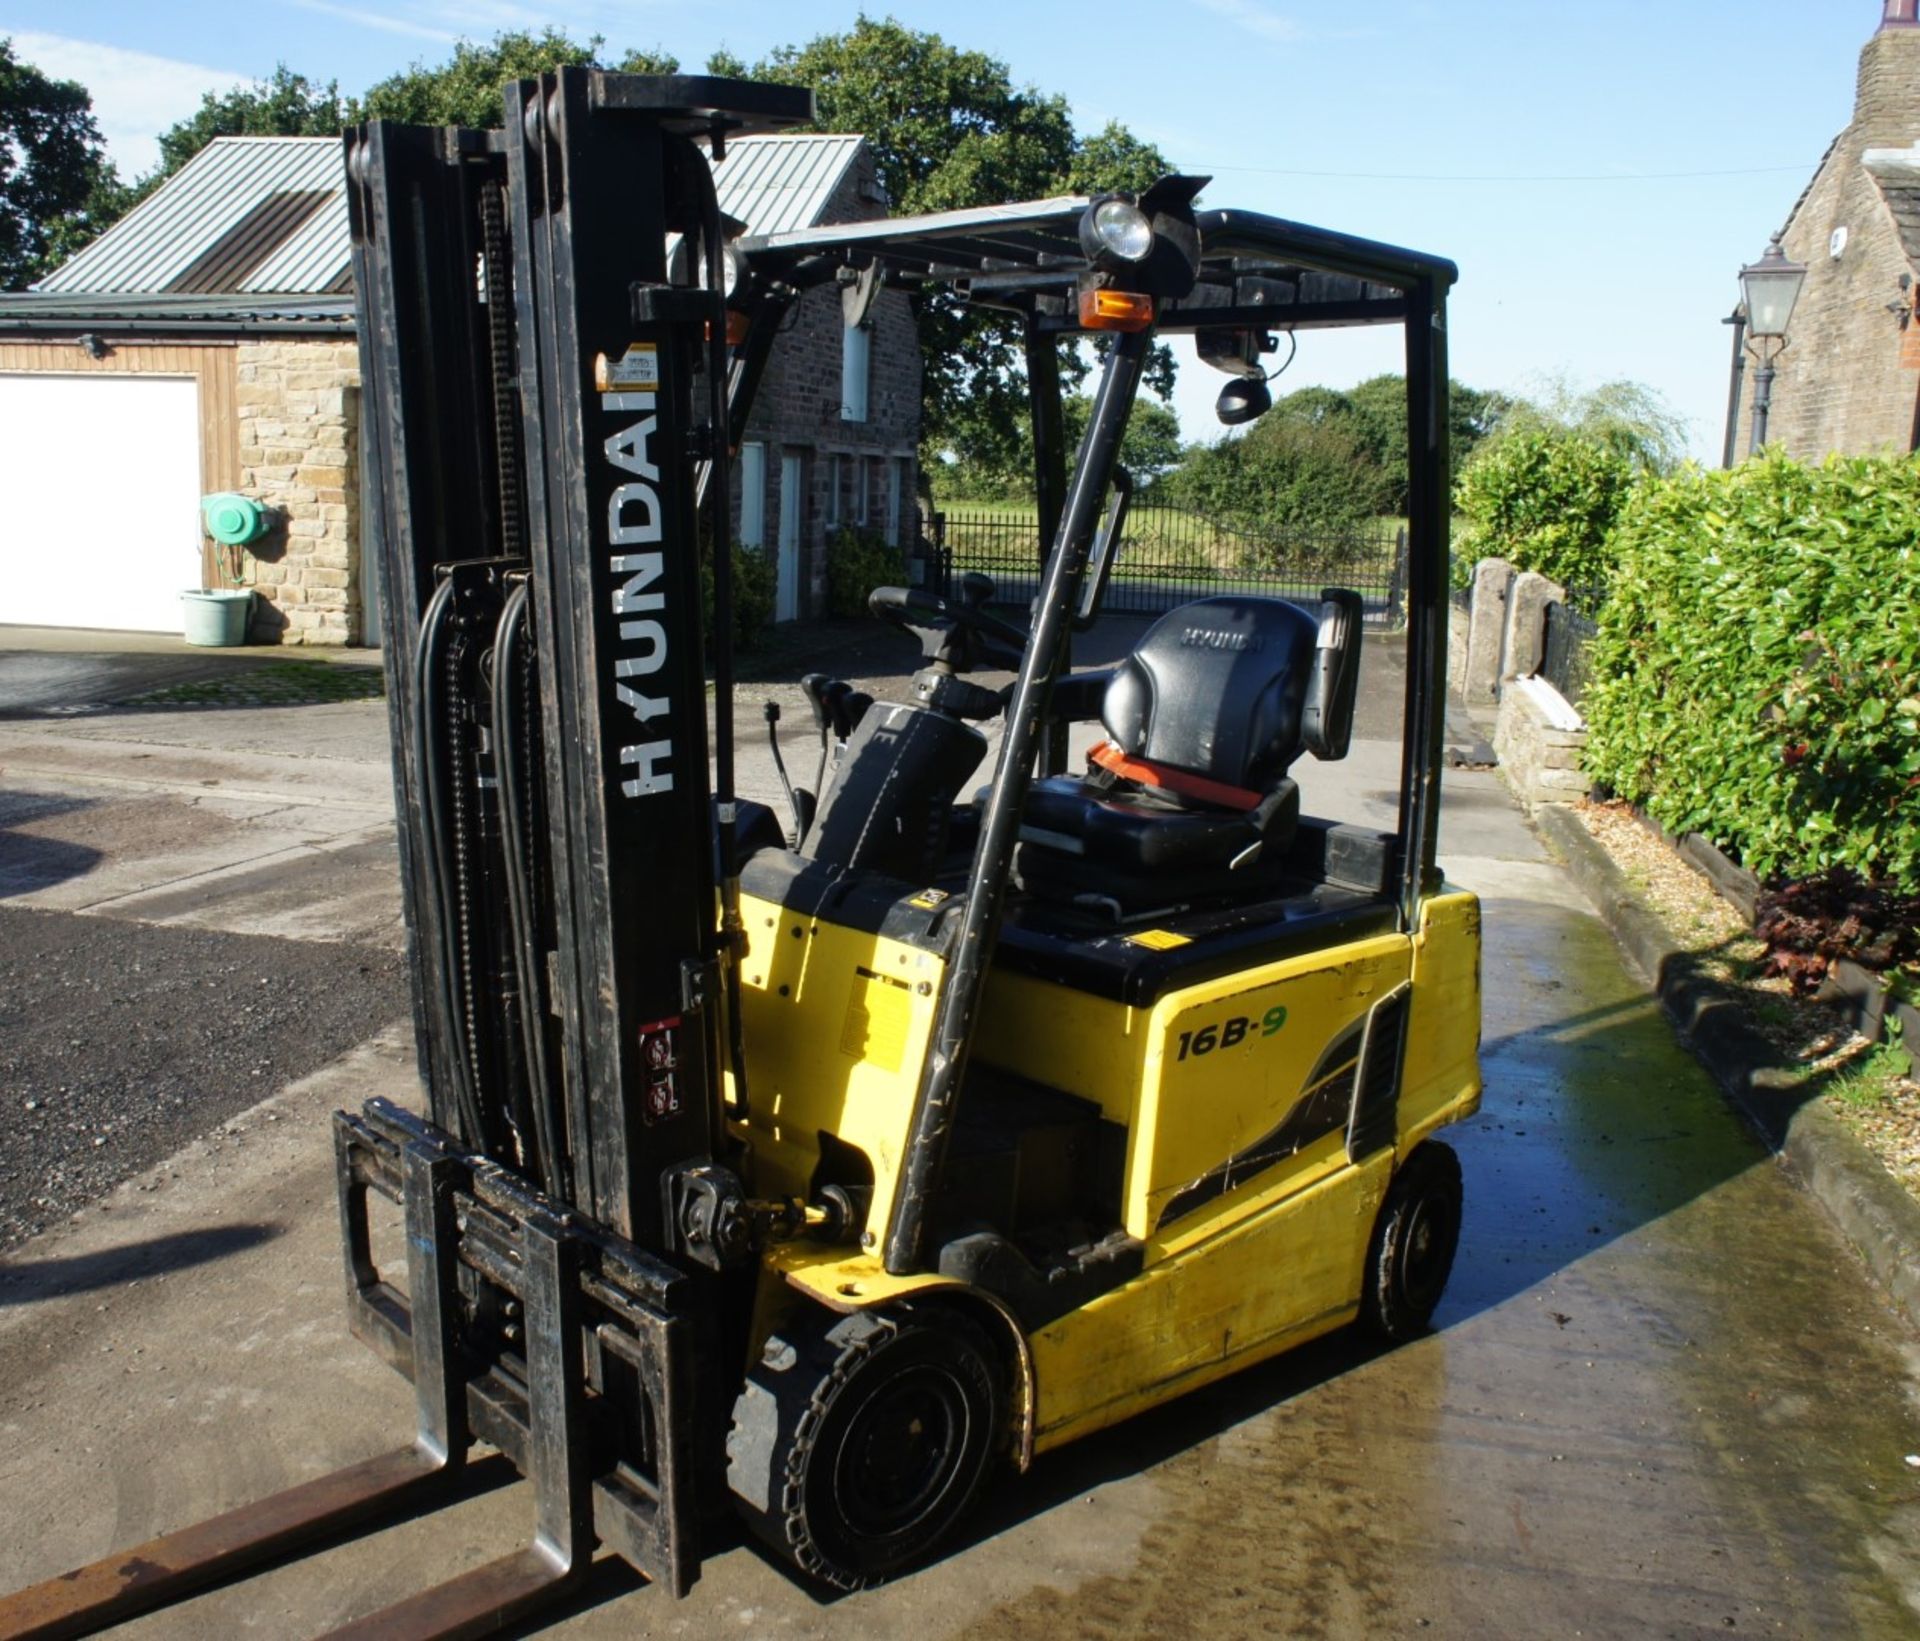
<point>120,1042</point>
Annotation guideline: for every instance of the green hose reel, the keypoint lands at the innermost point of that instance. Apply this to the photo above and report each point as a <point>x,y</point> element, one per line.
<point>234,520</point>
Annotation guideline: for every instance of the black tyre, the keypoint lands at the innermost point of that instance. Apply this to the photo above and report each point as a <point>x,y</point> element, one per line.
<point>861,1440</point>
<point>1414,1241</point>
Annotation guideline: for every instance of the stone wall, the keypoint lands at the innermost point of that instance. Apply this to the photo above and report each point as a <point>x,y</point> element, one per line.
<point>1842,383</point>
<point>1539,741</point>
<point>297,410</point>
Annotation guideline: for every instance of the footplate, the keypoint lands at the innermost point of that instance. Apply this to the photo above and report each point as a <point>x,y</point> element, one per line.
<point>522,1325</point>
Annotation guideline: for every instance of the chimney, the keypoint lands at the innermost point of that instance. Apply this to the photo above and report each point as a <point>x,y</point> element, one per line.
<point>1886,107</point>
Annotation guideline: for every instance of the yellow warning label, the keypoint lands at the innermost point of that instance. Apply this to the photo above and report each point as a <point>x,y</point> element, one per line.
<point>1159,940</point>
<point>635,371</point>
<point>875,1030</point>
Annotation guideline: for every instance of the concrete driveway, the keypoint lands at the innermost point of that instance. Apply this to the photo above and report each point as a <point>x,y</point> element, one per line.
<point>1662,1399</point>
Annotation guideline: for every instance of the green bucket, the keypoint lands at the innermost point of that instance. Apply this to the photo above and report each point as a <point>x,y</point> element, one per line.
<point>217,617</point>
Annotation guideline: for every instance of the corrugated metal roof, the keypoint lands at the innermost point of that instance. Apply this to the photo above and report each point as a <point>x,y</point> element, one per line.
<point>268,215</point>
<point>776,184</point>
<point>232,183</point>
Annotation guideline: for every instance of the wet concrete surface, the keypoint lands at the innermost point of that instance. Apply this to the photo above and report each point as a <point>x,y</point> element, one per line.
<point>50,672</point>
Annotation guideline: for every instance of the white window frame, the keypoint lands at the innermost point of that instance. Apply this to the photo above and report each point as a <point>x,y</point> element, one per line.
<point>896,485</point>
<point>836,479</point>
<point>753,494</point>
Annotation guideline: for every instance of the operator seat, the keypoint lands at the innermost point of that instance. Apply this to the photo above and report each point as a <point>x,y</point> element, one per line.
<point>1189,797</point>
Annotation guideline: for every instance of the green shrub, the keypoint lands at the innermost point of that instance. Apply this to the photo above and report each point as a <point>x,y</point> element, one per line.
<point>754,580</point>
<point>857,562</point>
<point>1544,498</point>
<point>1757,673</point>
<point>1284,475</point>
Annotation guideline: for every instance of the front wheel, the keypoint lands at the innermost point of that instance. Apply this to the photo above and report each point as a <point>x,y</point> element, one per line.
<point>1414,1239</point>
<point>859,1441</point>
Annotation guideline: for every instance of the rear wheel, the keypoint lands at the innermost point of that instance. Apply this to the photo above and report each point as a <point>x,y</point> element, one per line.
<point>859,1441</point>
<point>1414,1241</point>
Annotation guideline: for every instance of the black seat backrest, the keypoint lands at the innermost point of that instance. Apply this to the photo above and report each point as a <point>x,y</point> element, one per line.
<point>1216,688</point>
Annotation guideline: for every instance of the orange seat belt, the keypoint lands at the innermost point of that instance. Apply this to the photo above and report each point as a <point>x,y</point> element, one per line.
<point>1168,779</point>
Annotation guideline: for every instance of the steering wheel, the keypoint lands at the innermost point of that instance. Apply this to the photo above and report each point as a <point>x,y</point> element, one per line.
<point>959,632</point>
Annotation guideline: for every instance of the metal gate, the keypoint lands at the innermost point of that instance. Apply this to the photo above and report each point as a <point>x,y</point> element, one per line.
<point>1169,556</point>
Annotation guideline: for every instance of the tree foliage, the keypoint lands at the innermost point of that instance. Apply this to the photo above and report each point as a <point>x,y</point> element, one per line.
<point>1150,449</point>
<point>949,129</point>
<point>55,183</point>
<point>284,105</point>
<point>1757,672</point>
<point>465,90</point>
<point>1544,487</point>
<point>1286,474</point>
<point>1544,498</point>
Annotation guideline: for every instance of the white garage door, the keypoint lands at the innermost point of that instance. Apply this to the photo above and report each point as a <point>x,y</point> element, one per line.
<point>99,511</point>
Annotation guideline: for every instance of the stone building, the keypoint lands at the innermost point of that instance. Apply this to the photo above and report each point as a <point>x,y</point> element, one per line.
<point>206,343</point>
<point>1849,379</point>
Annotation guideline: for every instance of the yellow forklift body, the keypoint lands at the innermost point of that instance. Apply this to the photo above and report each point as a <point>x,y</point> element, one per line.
<point>1248,1250</point>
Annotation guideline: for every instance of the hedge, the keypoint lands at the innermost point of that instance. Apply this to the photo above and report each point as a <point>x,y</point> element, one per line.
<point>1756,677</point>
<point>1544,498</point>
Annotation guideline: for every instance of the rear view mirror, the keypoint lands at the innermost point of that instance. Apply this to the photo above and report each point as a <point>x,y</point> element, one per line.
<point>1326,724</point>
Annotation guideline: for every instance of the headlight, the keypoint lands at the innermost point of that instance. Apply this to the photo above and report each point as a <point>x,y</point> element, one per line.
<point>1115,230</point>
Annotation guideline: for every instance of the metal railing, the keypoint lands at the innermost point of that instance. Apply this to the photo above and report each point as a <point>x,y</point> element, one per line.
<point>1565,663</point>
<point>1169,556</point>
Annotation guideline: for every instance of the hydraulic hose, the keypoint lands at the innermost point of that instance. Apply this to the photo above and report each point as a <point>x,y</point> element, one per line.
<point>429,714</point>
<point>516,754</point>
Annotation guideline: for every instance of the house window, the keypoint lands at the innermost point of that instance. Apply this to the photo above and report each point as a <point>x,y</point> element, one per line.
<point>856,364</point>
<point>753,495</point>
<point>896,473</point>
<point>860,490</point>
<point>836,489</point>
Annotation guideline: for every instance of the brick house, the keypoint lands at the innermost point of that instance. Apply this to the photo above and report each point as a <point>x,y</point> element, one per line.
<point>1849,379</point>
<point>216,321</point>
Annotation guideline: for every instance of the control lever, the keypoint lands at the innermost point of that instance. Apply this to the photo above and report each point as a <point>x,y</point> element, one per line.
<point>800,803</point>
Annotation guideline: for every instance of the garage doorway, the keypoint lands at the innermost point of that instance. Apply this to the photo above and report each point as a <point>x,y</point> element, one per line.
<point>100,521</point>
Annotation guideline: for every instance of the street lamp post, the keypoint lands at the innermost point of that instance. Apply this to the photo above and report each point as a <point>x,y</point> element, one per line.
<point>1769,289</point>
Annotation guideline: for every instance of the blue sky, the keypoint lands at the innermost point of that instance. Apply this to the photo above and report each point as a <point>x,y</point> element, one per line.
<point>1599,170</point>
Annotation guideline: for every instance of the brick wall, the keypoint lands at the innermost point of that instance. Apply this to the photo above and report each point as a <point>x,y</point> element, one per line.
<point>1841,384</point>
<point>296,405</point>
<point>797,411</point>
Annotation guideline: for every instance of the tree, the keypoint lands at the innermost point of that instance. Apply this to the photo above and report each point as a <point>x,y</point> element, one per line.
<point>55,180</point>
<point>465,90</point>
<point>1544,498</point>
<point>284,105</point>
<point>1546,486</point>
<point>1149,450</point>
<point>1151,445</point>
<point>1286,474</point>
<point>949,130</point>
<point>1628,418</point>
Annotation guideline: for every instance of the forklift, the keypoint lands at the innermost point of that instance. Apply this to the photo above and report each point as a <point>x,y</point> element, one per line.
<point>808,1169</point>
